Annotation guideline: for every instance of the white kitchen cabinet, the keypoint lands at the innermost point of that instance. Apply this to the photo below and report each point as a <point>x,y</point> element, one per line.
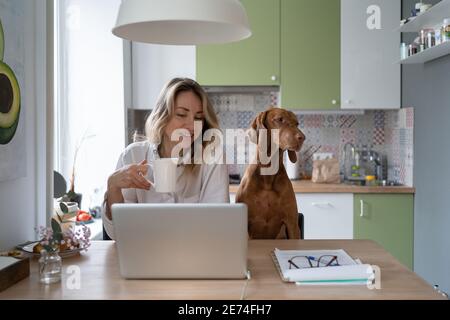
<point>326,215</point>
<point>152,66</point>
<point>370,51</point>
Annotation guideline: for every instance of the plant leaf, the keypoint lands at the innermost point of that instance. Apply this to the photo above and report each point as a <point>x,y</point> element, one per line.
<point>63,207</point>
<point>56,227</point>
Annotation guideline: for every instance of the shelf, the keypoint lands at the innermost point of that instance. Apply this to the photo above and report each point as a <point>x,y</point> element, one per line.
<point>428,54</point>
<point>429,19</point>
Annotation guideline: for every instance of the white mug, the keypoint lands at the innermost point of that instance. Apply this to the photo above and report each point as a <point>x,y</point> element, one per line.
<point>165,174</point>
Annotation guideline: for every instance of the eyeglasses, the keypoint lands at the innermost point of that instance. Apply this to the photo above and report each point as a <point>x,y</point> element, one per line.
<point>313,262</point>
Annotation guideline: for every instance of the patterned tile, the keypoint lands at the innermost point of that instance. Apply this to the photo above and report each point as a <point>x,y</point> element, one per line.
<point>274,99</point>
<point>331,136</point>
<point>378,136</point>
<point>409,118</point>
<point>396,157</point>
<point>314,121</point>
<point>331,121</point>
<point>379,117</point>
<point>388,136</point>
<point>245,118</point>
<point>262,102</point>
<point>313,136</point>
<point>334,149</point>
<point>228,120</point>
<point>347,121</point>
<point>404,137</point>
<point>301,120</point>
<point>402,175</point>
<point>401,123</point>
<point>348,135</point>
<point>409,176</point>
<point>245,102</point>
<point>363,136</point>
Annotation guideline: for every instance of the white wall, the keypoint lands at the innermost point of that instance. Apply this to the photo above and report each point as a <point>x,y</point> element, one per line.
<point>425,87</point>
<point>23,201</point>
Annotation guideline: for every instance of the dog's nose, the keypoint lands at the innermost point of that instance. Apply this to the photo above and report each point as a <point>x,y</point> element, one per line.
<point>300,137</point>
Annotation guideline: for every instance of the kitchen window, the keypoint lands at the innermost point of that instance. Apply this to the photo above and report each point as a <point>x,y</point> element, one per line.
<point>89,91</point>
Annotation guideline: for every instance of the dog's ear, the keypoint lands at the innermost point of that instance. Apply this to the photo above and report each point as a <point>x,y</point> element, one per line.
<point>257,124</point>
<point>292,156</point>
<point>259,121</point>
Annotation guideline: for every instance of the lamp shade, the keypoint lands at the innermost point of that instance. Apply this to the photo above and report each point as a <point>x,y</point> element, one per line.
<point>182,22</point>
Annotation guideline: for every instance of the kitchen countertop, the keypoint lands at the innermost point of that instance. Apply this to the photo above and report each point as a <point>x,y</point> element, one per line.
<point>306,186</point>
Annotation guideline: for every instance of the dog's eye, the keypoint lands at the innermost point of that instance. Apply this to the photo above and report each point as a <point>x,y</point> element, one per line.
<point>279,120</point>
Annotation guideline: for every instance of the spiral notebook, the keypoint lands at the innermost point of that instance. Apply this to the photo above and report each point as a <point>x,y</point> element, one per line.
<point>293,266</point>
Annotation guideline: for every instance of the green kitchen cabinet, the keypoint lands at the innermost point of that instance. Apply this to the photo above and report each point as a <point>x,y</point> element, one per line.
<point>387,219</point>
<point>310,54</point>
<point>251,62</point>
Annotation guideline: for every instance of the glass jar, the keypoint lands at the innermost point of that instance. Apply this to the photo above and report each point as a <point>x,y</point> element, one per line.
<point>422,40</point>
<point>403,51</point>
<point>412,49</point>
<point>50,267</point>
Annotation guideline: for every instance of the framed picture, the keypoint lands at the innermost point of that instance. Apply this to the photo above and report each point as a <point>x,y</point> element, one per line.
<point>13,146</point>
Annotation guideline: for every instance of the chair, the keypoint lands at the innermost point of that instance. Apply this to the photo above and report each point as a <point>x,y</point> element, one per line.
<point>301,225</point>
<point>105,235</point>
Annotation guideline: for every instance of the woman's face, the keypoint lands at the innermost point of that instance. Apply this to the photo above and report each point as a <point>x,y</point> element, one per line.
<point>188,108</point>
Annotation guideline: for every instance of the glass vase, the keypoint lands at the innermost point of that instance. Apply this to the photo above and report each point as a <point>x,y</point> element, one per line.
<point>50,267</point>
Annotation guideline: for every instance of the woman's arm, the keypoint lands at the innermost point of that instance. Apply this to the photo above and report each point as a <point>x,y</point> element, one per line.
<point>112,195</point>
<point>131,176</point>
<point>122,184</point>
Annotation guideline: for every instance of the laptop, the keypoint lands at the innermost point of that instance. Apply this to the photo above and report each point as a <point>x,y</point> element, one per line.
<point>181,241</point>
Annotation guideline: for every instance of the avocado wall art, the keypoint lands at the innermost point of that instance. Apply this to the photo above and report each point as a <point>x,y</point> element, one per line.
<point>16,83</point>
<point>9,97</point>
<point>2,42</point>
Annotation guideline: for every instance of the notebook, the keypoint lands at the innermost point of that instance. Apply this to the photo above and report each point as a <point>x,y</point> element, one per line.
<point>293,266</point>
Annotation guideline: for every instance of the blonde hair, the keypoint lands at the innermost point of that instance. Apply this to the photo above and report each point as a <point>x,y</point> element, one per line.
<point>165,107</point>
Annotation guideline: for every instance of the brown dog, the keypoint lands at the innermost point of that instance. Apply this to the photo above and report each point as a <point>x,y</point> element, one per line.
<point>272,207</point>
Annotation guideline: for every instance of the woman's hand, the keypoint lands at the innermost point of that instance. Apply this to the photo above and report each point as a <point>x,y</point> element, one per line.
<point>130,176</point>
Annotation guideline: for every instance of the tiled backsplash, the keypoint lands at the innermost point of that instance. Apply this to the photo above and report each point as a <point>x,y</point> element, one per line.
<point>389,132</point>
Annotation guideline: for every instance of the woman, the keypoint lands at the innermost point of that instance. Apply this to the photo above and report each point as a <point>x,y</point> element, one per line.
<point>181,103</point>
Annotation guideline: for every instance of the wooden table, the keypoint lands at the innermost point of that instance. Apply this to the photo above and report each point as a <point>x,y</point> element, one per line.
<point>100,278</point>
